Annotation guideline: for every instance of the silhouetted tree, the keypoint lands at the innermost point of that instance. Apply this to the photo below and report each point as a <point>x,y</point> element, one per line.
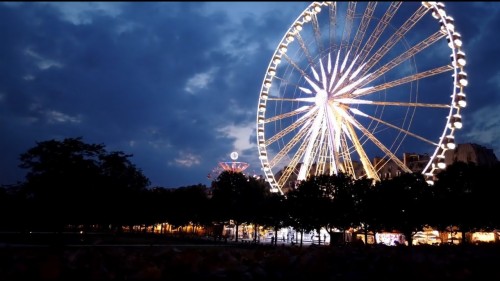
<point>274,213</point>
<point>226,197</point>
<point>465,198</point>
<point>308,204</point>
<point>189,205</point>
<point>72,182</point>
<point>403,203</point>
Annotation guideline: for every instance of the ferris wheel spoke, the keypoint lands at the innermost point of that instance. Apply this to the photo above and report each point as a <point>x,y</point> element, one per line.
<point>312,99</point>
<point>288,114</point>
<point>404,56</point>
<point>421,11</point>
<point>343,156</point>
<point>363,26</point>
<point>317,33</point>
<point>312,142</point>
<point>346,34</point>
<point>287,148</point>
<point>293,163</point>
<point>359,113</point>
<point>287,130</point>
<point>304,49</point>
<point>365,161</point>
<point>381,146</point>
<point>332,13</point>
<point>370,90</point>
<point>292,63</point>
<point>323,164</point>
<point>379,29</point>
<point>384,103</point>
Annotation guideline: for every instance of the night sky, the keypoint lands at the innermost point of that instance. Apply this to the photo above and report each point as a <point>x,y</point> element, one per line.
<point>177,84</point>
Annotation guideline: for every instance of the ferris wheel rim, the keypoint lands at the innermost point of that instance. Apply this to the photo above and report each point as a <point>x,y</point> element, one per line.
<point>446,140</point>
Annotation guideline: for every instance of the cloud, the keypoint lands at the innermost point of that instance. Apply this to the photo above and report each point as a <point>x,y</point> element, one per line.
<point>200,81</point>
<point>83,12</point>
<point>42,62</point>
<point>186,159</point>
<point>59,117</point>
<point>240,134</point>
<point>484,127</point>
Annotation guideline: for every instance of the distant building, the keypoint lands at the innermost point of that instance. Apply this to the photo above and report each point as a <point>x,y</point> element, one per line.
<point>416,162</point>
<point>471,153</point>
<point>467,152</point>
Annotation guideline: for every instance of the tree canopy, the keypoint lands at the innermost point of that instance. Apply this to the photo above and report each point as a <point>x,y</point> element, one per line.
<point>73,182</point>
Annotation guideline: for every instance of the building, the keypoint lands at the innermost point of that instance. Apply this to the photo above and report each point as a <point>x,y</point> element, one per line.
<point>471,153</point>
<point>467,152</point>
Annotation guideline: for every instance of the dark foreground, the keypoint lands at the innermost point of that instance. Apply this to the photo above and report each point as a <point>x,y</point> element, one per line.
<point>206,261</point>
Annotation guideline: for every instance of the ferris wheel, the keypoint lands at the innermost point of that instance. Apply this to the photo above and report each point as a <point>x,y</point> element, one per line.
<point>352,86</point>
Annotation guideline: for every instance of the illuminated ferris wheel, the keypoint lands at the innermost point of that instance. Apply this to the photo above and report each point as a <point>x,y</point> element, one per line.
<point>350,82</point>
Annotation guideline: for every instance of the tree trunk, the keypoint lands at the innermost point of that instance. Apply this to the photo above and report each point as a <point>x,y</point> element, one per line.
<point>255,229</point>
<point>301,237</point>
<point>236,232</point>
<point>331,238</point>
<point>409,238</point>
<point>275,235</point>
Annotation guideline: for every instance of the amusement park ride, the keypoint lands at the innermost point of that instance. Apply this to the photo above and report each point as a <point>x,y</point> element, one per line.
<point>230,166</point>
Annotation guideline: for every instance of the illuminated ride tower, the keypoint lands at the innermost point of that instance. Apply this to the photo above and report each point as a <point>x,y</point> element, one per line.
<point>234,166</point>
<point>229,229</point>
<point>230,166</point>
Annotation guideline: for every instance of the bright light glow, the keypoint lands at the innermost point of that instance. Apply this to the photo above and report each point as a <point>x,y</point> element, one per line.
<point>441,164</point>
<point>461,102</point>
<point>456,39</point>
<point>307,17</point>
<point>283,49</point>
<point>450,142</point>
<point>461,58</point>
<point>462,79</point>
<point>234,155</point>
<point>456,121</point>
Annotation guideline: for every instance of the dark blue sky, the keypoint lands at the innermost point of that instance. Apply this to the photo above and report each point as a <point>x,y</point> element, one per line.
<point>176,84</point>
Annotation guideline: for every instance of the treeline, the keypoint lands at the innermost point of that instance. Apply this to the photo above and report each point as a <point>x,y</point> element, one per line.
<point>70,182</point>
